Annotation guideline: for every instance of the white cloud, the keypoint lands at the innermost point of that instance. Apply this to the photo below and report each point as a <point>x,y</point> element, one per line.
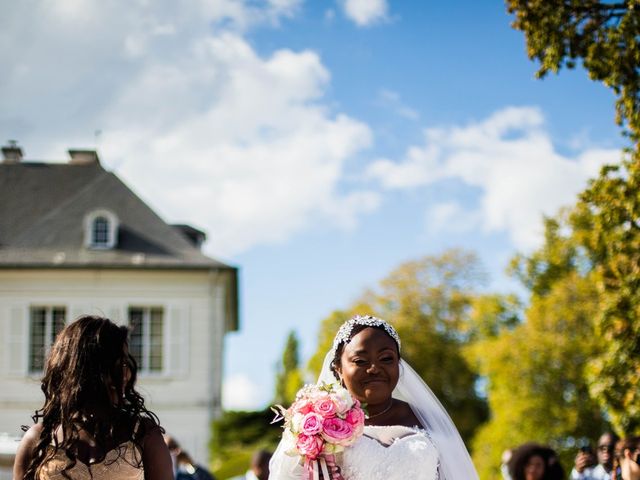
<point>391,100</point>
<point>240,393</point>
<point>510,159</point>
<point>451,217</point>
<point>205,128</point>
<point>366,12</point>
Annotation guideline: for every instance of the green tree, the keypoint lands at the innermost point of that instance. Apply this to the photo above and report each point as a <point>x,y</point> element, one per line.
<point>606,223</point>
<point>603,35</point>
<point>236,435</point>
<point>536,376</point>
<point>289,377</point>
<point>428,301</point>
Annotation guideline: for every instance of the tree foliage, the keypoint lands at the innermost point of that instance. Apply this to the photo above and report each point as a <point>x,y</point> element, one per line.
<point>428,301</point>
<point>236,435</point>
<point>536,376</point>
<point>289,377</point>
<point>603,35</point>
<point>605,222</point>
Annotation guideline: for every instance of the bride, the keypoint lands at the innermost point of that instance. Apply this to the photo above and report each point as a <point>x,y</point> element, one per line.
<point>407,434</point>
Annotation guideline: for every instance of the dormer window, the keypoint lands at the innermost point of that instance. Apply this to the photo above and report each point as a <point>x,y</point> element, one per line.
<point>101,227</point>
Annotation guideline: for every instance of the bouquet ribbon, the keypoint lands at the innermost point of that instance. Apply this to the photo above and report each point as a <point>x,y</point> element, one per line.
<point>313,468</point>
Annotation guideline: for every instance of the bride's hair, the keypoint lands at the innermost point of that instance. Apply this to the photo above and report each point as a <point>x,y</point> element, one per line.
<point>83,371</point>
<point>339,346</point>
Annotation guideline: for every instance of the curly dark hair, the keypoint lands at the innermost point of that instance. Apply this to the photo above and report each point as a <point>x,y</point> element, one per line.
<point>335,363</point>
<point>521,455</point>
<point>86,389</point>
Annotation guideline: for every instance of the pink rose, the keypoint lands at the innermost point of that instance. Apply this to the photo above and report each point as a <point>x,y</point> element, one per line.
<point>303,406</point>
<point>325,407</point>
<point>311,424</point>
<point>336,430</point>
<point>355,417</point>
<point>309,446</point>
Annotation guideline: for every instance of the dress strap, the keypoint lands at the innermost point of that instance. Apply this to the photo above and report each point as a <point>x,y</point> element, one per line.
<point>136,427</point>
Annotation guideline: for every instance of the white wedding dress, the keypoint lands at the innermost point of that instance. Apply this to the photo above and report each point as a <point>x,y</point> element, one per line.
<point>381,453</point>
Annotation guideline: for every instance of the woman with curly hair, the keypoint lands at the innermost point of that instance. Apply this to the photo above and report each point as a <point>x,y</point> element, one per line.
<point>627,459</point>
<point>535,462</point>
<point>94,424</point>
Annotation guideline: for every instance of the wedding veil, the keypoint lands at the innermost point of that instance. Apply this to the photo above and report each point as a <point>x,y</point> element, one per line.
<point>455,462</point>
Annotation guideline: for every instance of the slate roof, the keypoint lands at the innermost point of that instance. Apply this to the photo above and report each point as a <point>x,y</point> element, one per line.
<point>42,212</point>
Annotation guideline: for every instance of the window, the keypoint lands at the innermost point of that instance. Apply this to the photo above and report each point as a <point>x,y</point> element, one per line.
<point>146,342</point>
<point>45,324</point>
<point>101,230</point>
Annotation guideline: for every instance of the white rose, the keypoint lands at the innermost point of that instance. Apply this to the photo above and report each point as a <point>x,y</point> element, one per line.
<point>296,422</point>
<point>343,400</point>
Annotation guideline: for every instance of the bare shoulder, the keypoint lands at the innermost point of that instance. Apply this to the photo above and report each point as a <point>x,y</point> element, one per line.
<point>33,434</point>
<point>26,449</point>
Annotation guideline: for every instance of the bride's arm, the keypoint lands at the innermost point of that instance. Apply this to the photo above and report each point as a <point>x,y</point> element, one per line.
<point>283,466</point>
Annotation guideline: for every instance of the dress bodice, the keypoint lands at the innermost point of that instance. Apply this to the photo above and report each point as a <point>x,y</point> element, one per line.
<point>391,453</point>
<point>381,453</point>
<point>121,463</point>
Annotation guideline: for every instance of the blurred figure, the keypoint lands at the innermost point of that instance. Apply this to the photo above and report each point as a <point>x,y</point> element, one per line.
<point>94,423</point>
<point>184,467</point>
<point>584,464</point>
<point>259,467</point>
<point>504,464</point>
<point>627,459</point>
<point>602,471</point>
<point>535,462</point>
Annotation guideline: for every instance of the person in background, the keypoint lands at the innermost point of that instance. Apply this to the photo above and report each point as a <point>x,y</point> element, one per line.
<point>602,471</point>
<point>259,468</point>
<point>585,462</point>
<point>504,464</point>
<point>535,462</point>
<point>184,467</point>
<point>627,459</point>
<point>93,424</point>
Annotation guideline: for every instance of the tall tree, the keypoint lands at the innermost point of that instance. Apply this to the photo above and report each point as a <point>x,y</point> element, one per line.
<point>606,223</point>
<point>289,377</point>
<point>604,35</point>
<point>428,301</point>
<point>536,376</point>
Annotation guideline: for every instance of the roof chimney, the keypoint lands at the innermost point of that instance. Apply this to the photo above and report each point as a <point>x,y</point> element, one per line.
<point>196,237</point>
<point>83,157</point>
<point>11,153</point>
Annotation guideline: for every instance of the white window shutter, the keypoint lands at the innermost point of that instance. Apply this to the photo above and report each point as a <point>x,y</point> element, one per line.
<point>177,340</point>
<point>17,341</point>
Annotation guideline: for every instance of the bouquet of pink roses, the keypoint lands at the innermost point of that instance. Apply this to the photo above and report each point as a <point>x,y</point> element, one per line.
<point>320,423</point>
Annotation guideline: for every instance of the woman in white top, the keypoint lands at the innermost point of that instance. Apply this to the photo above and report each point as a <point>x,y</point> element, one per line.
<point>408,435</point>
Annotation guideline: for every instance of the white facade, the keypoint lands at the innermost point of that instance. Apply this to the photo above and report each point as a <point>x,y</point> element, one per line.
<point>185,394</point>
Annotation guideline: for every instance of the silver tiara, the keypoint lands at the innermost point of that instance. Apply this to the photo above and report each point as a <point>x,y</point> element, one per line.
<point>344,333</point>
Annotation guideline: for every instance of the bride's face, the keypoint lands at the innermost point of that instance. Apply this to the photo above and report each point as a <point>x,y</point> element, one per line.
<point>369,366</point>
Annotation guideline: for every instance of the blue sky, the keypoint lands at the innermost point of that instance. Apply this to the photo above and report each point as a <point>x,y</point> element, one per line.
<point>319,143</point>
